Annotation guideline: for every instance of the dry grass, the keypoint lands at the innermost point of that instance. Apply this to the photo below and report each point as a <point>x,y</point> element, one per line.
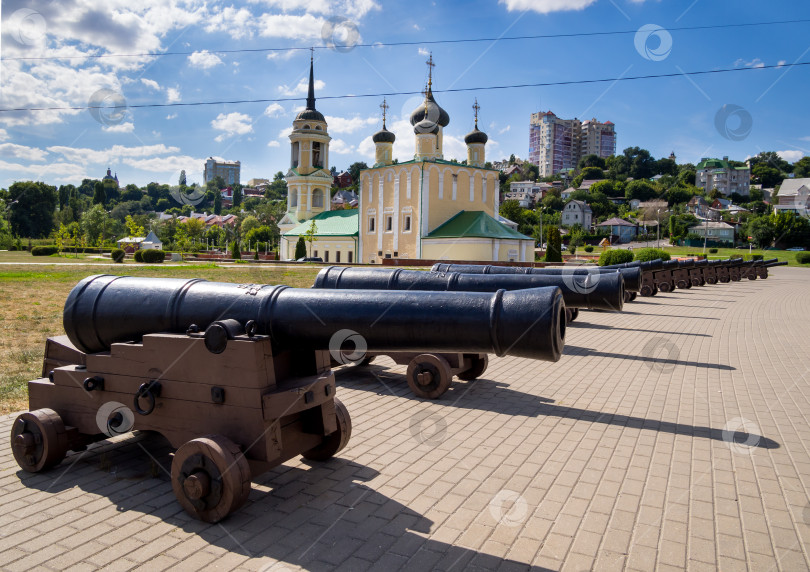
<point>33,297</point>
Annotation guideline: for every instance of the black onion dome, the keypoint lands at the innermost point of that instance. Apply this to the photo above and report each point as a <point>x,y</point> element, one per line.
<point>426,126</point>
<point>435,112</point>
<point>476,136</point>
<point>310,115</point>
<point>383,136</point>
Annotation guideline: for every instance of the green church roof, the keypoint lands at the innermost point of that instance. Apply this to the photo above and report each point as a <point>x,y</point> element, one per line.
<point>331,223</point>
<point>469,224</point>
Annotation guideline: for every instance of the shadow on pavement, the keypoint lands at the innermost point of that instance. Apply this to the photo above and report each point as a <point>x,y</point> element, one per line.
<point>587,325</point>
<point>580,351</point>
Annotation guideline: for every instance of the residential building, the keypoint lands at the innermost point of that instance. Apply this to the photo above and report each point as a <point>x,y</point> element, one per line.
<point>794,196</point>
<point>342,180</point>
<point>623,230</point>
<point>133,243</point>
<point>228,170</point>
<point>567,193</point>
<point>718,174</point>
<point>257,182</point>
<point>587,183</point>
<point>577,212</point>
<point>430,208</point>
<point>698,206</point>
<point>720,232</point>
<point>344,199</point>
<point>557,144</point>
<point>527,193</point>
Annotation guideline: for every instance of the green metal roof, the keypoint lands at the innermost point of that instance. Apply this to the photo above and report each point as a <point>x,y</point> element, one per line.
<point>331,223</point>
<point>468,224</point>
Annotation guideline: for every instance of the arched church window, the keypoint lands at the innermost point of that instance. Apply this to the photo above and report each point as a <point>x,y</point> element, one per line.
<point>317,198</point>
<point>316,154</point>
<point>296,149</point>
<point>306,126</point>
<point>293,198</point>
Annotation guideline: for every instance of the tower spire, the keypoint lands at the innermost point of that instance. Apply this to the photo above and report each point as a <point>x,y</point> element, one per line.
<point>430,65</point>
<point>476,107</point>
<point>384,106</point>
<point>311,91</point>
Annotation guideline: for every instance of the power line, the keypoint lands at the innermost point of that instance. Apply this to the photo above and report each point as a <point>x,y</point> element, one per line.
<point>396,93</point>
<point>413,43</point>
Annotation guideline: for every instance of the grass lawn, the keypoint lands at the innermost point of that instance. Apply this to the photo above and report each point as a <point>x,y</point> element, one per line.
<point>33,298</point>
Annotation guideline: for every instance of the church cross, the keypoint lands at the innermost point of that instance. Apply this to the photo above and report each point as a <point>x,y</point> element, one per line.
<point>476,107</point>
<point>384,106</point>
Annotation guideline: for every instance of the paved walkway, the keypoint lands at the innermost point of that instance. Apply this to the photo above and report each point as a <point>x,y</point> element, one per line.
<point>672,436</point>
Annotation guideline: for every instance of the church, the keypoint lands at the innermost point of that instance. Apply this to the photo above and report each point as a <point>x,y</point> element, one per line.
<point>426,207</point>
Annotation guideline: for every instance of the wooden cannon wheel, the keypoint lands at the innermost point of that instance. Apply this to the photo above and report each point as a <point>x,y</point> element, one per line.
<point>334,442</point>
<point>711,280</point>
<point>210,477</point>
<point>429,376</point>
<point>698,282</point>
<point>480,362</point>
<point>665,286</point>
<point>646,290</point>
<point>683,284</point>
<point>38,440</point>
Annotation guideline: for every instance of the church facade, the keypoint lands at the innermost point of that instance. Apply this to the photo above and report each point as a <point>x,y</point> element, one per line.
<point>426,207</point>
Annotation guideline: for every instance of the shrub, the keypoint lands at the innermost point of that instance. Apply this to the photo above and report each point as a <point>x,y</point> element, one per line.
<point>615,256</point>
<point>300,248</point>
<point>44,250</point>
<point>647,254</point>
<point>803,257</point>
<point>236,252</point>
<point>118,255</point>
<point>588,248</point>
<point>753,257</point>
<point>139,255</point>
<point>712,251</point>
<point>152,256</point>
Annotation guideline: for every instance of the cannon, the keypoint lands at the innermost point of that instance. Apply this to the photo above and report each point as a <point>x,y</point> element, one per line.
<point>648,265</point>
<point>444,366</point>
<point>762,270</point>
<point>237,376</point>
<point>631,275</point>
<point>696,273</point>
<point>680,272</point>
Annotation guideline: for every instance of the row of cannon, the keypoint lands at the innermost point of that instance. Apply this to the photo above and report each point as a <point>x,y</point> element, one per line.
<point>239,377</point>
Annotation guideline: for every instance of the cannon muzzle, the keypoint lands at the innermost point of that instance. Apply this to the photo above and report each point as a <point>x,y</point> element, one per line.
<point>631,275</point>
<point>103,309</point>
<point>775,262</point>
<point>591,291</point>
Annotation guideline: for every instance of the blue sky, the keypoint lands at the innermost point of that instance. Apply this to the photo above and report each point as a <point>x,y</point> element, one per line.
<point>677,114</point>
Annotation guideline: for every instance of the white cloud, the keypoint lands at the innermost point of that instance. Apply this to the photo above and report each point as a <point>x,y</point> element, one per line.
<point>85,156</point>
<point>780,63</point>
<point>349,124</point>
<point>755,63</point>
<point>301,88</point>
<point>204,60</point>
<point>340,147</point>
<point>274,110</point>
<point>546,6</point>
<point>231,124</point>
<point>22,152</point>
<point>171,116</point>
<point>281,55</point>
<point>127,127</point>
<point>3,135</point>
<point>52,172</point>
<point>791,156</point>
<point>172,95</point>
<point>150,83</point>
<point>273,143</point>
<point>171,164</point>
<point>424,52</point>
<point>239,23</point>
<point>504,130</point>
<point>285,133</point>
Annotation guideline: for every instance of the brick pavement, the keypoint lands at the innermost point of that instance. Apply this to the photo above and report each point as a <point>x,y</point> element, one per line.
<point>672,436</point>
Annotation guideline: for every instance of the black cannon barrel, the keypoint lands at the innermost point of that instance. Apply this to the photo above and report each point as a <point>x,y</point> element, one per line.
<point>776,262</point>
<point>102,310</point>
<point>632,276</point>
<point>590,291</point>
<point>769,261</point>
<point>702,262</point>
<point>646,266</point>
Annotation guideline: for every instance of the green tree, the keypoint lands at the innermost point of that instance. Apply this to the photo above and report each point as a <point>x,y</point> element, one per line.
<point>772,159</point>
<point>640,189</point>
<point>767,175</point>
<point>278,188</point>
<point>553,245</point>
<point>31,206</point>
<point>587,174</point>
<point>552,202</point>
<point>592,161</point>
<point>94,224</point>
<point>355,168</point>
<point>237,195</point>
<point>131,193</point>
<point>300,248</point>
<point>761,230</point>
<point>309,235</point>
<point>133,228</point>
<point>217,203</point>
<point>512,210</point>
<point>666,166</point>
<point>215,235</point>
<point>248,223</point>
<point>99,194</point>
<point>801,168</point>
<point>678,195</point>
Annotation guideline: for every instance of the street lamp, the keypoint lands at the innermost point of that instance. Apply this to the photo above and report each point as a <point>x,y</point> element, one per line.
<point>658,228</point>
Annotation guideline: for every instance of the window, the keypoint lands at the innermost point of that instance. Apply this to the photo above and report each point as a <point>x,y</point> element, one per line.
<point>315,254</point>
<point>351,256</point>
<point>317,198</point>
<point>337,256</point>
<point>326,256</point>
<point>316,155</point>
<point>406,223</point>
<point>296,148</point>
<point>293,198</point>
<point>389,223</point>
<point>371,224</point>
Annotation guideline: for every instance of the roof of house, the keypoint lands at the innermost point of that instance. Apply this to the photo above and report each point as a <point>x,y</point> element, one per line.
<point>152,237</point>
<point>615,222</point>
<point>792,186</point>
<point>712,225</point>
<point>330,223</point>
<point>586,184</point>
<point>582,204</point>
<point>467,224</point>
